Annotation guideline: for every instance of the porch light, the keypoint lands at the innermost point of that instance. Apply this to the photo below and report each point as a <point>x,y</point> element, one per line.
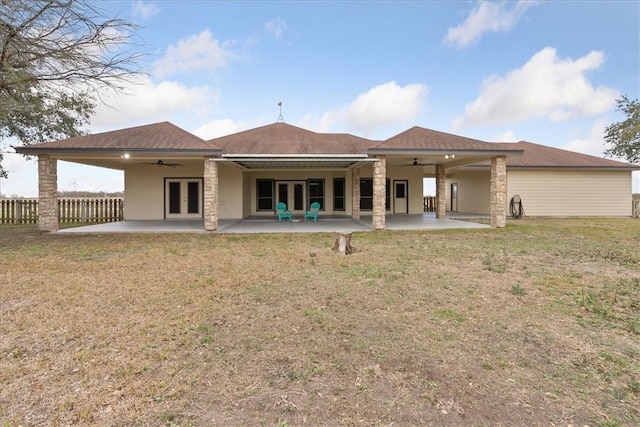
<point>125,156</point>
<point>449,156</point>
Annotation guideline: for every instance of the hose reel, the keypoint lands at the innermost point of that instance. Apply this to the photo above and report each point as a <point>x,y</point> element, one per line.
<point>515,207</point>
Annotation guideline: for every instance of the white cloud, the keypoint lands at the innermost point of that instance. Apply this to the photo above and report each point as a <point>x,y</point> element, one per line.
<point>218,128</point>
<point>384,105</point>
<point>143,10</point>
<point>487,16</point>
<point>546,86</point>
<point>196,52</point>
<point>593,143</point>
<point>148,102</point>
<point>506,136</point>
<point>276,27</point>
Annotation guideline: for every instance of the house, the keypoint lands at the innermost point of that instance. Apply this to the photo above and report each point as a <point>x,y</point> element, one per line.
<point>550,182</point>
<point>170,173</point>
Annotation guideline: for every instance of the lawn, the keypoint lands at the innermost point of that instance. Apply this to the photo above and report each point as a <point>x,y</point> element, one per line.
<point>535,324</point>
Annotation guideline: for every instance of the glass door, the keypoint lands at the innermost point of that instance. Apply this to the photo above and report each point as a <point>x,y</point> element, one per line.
<point>293,194</point>
<point>183,198</point>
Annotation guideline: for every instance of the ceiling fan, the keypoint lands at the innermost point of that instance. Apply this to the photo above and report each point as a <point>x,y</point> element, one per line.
<point>160,163</point>
<point>417,163</point>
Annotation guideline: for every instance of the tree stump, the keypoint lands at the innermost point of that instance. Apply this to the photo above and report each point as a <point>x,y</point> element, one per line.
<point>342,244</point>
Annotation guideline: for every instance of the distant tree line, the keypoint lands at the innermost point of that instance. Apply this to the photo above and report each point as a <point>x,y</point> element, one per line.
<point>70,194</point>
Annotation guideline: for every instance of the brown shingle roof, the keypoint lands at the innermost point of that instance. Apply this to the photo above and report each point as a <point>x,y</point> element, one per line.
<point>283,138</point>
<point>536,155</point>
<point>419,138</point>
<point>157,136</point>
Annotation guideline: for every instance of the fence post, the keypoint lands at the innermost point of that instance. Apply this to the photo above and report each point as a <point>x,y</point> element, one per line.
<point>18,212</point>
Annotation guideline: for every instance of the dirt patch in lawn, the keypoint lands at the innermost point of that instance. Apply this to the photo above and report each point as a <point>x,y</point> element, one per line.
<point>535,324</point>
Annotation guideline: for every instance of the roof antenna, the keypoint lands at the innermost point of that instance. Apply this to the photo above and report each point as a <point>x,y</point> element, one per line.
<point>280,118</point>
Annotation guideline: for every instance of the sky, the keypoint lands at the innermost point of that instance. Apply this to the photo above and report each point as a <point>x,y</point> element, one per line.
<point>547,72</point>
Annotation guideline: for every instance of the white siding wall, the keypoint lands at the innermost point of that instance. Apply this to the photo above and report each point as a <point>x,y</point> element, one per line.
<point>572,193</point>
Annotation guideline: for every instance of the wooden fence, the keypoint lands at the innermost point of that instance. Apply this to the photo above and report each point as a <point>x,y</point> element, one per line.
<point>429,203</point>
<point>70,210</point>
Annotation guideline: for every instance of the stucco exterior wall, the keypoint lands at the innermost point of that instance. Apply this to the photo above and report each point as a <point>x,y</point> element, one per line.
<point>246,194</point>
<point>230,186</point>
<point>144,188</point>
<point>474,190</point>
<point>572,192</point>
<point>413,175</point>
<point>295,176</point>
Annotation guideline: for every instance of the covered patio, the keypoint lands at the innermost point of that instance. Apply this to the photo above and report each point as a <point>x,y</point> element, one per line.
<point>175,181</point>
<point>427,221</point>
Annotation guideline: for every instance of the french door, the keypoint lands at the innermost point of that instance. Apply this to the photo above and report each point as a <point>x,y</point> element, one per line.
<point>183,198</point>
<point>293,194</point>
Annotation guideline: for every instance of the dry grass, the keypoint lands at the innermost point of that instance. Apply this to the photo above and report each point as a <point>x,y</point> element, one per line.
<point>535,324</point>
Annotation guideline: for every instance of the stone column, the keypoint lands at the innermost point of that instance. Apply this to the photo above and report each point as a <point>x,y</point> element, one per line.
<point>379,192</point>
<point>210,194</point>
<point>441,192</point>
<point>499,192</point>
<point>47,193</point>
<point>355,193</point>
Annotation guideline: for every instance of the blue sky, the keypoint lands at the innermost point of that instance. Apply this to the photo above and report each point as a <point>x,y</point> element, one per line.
<point>544,72</point>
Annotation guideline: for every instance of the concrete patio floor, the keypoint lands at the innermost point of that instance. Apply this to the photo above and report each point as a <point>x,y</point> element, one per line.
<point>426,221</point>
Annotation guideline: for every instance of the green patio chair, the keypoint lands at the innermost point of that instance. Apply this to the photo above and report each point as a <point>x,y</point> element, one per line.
<point>282,212</point>
<point>312,213</point>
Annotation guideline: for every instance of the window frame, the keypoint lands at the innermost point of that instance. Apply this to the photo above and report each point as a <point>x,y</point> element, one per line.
<point>260,198</point>
<point>343,197</point>
<point>320,199</point>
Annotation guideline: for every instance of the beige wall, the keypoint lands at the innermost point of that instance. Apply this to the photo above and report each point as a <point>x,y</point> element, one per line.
<point>474,190</point>
<point>572,193</point>
<point>411,174</point>
<point>230,186</point>
<point>300,176</point>
<point>246,194</point>
<point>144,188</point>
<point>548,192</point>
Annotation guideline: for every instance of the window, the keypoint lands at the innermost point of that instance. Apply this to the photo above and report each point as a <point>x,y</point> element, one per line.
<point>338,194</point>
<point>193,200</point>
<point>264,190</point>
<point>316,191</point>
<point>174,198</point>
<point>366,194</point>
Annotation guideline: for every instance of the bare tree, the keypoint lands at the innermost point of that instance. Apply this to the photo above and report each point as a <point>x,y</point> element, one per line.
<point>55,57</point>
